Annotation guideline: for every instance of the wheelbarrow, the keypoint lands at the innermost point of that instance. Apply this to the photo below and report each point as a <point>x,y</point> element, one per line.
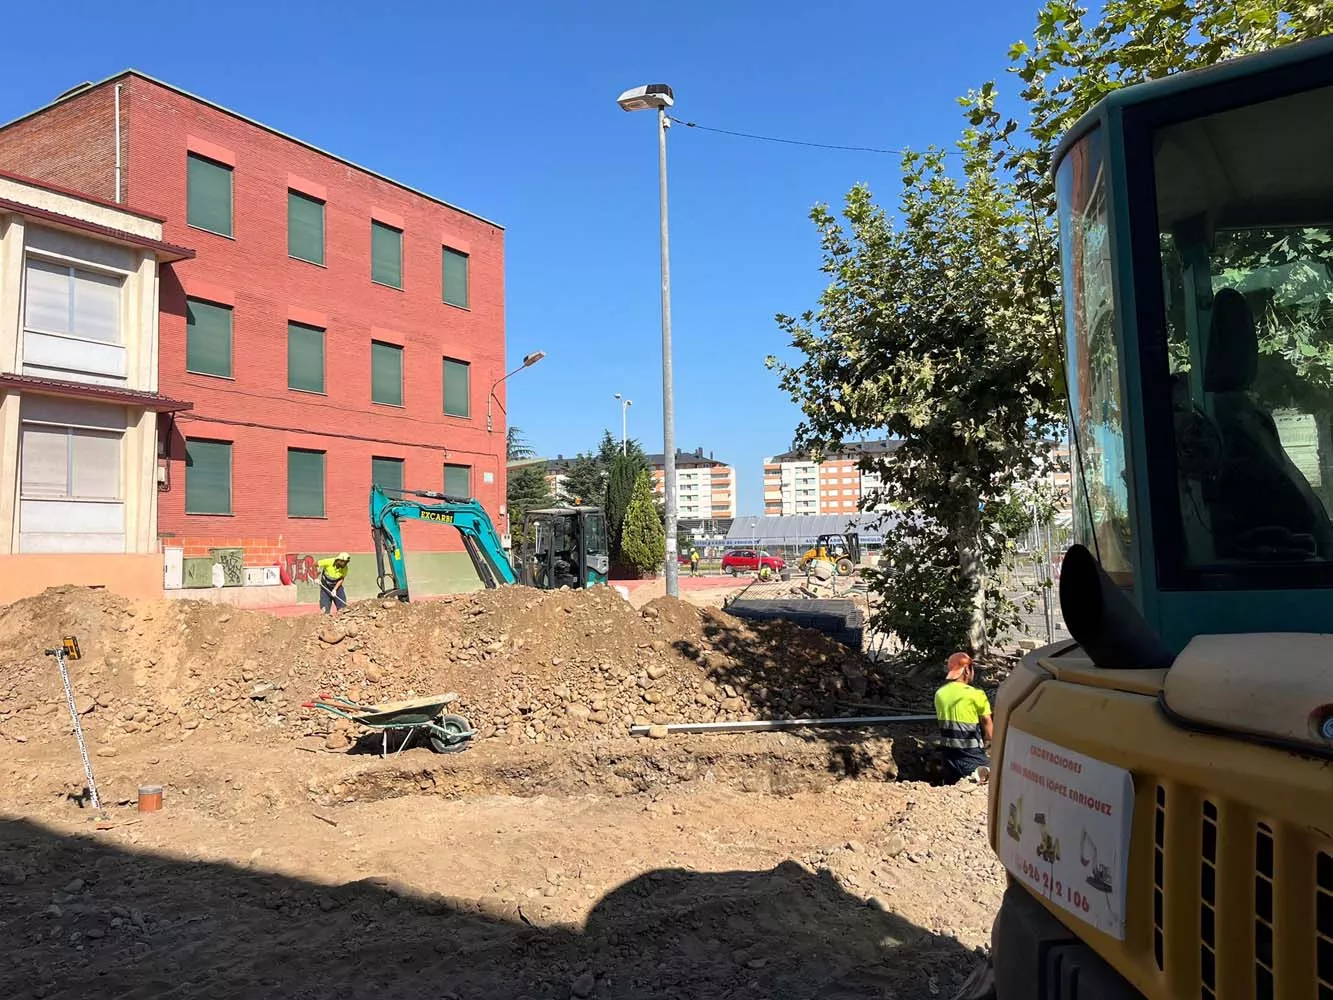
<point>445,733</point>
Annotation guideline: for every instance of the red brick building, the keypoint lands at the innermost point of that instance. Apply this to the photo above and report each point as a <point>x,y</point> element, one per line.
<point>334,325</point>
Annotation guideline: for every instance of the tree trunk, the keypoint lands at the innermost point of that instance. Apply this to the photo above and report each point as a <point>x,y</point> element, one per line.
<point>973,571</point>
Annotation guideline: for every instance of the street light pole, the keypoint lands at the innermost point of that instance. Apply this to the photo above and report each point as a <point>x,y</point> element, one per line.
<point>528,362</point>
<point>625,404</point>
<point>668,399</point>
<point>659,97</point>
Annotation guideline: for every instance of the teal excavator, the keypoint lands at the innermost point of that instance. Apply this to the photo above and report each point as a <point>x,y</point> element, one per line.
<point>563,546</point>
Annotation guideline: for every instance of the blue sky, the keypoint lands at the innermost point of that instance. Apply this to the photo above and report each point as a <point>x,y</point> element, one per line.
<point>509,111</point>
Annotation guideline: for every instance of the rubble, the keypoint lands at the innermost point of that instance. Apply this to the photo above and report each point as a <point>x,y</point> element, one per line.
<point>529,666</point>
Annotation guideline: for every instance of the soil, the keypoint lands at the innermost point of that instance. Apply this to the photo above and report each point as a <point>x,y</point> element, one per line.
<point>555,857</point>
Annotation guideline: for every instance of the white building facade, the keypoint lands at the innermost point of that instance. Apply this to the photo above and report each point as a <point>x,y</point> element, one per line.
<point>79,408</point>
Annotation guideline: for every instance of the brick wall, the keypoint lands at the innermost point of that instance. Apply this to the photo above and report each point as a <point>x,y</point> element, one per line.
<point>72,144</point>
<point>252,272</point>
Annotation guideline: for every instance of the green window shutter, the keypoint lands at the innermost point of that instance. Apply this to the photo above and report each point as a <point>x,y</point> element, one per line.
<point>386,373</point>
<point>457,388</point>
<point>305,483</point>
<point>386,254</point>
<point>305,227</point>
<point>207,477</point>
<point>387,472</point>
<point>207,338</point>
<point>458,480</point>
<point>208,195</point>
<point>455,277</point>
<point>305,357</point>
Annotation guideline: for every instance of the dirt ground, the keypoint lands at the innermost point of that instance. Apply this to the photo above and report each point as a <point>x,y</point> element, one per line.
<point>586,863</point>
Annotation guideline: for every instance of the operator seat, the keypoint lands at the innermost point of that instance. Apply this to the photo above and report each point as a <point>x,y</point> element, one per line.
<point>1263,507</point>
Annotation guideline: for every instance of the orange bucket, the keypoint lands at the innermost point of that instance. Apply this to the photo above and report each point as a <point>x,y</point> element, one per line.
<point>150,798</point>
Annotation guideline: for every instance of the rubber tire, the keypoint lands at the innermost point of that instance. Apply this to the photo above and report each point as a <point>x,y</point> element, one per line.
<point>729,570</point>
<point>845,567</point>
<point>451,724</point>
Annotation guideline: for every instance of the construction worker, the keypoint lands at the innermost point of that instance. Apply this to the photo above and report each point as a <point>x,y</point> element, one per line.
<point>966,725</point>
<point>332,573</point>
<point>694,561</point>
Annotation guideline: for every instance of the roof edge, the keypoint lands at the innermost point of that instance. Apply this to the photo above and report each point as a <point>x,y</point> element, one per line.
<point>131,71</point>
<point>70,192</point>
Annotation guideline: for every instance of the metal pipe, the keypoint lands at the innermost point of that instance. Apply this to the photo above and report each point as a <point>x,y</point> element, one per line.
<point>118,143</point>
<point>668,400</point>
<point>766,725</point>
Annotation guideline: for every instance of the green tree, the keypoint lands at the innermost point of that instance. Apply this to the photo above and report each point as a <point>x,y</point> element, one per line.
<point>926,330</point>
<point>517,447</point>
<point>585,482</point>
<point>625,470</point>
<point>944,325</point>
<point>643,542</point>
<point>609,448</point>
<point>528,489</point>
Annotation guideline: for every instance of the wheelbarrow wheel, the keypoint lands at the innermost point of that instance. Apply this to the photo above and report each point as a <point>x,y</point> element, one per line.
<point>455,726</point>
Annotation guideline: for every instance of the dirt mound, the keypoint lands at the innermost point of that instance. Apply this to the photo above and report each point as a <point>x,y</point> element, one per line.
<point>529,666</point>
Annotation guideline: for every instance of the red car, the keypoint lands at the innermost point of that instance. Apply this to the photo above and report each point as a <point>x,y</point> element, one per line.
<point>751,561</point>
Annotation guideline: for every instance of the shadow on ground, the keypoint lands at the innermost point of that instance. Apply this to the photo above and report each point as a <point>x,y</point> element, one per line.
<point>83,918</point>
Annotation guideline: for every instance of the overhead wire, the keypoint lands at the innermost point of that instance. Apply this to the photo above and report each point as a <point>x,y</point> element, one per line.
<point>879,150</point>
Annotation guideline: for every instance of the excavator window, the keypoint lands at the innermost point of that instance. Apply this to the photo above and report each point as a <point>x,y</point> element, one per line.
<point>1102,508</point>
<point>1241,350</point>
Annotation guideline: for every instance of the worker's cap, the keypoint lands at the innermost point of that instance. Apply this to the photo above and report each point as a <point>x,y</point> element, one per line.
<point>958,664</point>
<point>344,557</point>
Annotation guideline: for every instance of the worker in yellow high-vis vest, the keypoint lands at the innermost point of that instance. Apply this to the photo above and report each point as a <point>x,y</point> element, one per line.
<point>332,573</point>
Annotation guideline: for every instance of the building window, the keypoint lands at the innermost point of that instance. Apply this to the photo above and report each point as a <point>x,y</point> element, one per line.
<point>305,227</point>
<point>305,483</point>
<point>387,473</point>
<point>386,255</point>
<point>207,338</point>
<point>386,373</point>
<point>208,195</point>
<point>207,477</point>
<point>71,302</point>
<point>455,278</point>
<point>69,463</point>
<point>457,388</point>
<point>305,358</point>
<point>458,480</point>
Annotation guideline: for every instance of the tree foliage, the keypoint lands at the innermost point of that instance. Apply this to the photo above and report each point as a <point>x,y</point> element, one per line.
<point>643,542</point>
<point>528,489</point>
<point>517,446</point>
<point>585,482</point>
<point>625,470</point>
<point>928,332</point>
<point>941,325</point>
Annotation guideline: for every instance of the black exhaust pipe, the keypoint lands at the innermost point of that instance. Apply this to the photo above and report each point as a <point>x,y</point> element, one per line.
<point>1103,620</point>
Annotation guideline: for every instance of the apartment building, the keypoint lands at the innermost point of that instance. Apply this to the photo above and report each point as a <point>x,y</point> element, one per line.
<point>705,487</point>
<point>335,327</point>
<point>795,484</point>
<point>79,407</point>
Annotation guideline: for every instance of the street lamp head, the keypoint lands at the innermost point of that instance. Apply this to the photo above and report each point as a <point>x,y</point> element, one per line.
<point>531,359</point>
<point>617,395</point>
<point>629,402</point>
<point>649,97</point>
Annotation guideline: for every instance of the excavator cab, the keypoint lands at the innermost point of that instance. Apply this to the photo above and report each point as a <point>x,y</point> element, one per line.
<point>1184,737</point>
<point>564,547</point>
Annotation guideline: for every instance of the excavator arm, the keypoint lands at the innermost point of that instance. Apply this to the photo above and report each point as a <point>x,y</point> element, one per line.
<point>389,507</point>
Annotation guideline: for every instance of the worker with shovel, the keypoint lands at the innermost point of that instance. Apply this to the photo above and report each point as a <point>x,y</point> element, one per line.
<point>966,725</point>
<point>332,573</point>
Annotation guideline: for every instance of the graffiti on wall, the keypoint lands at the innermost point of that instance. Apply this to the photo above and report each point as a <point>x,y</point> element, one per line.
<point>302,568</point>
